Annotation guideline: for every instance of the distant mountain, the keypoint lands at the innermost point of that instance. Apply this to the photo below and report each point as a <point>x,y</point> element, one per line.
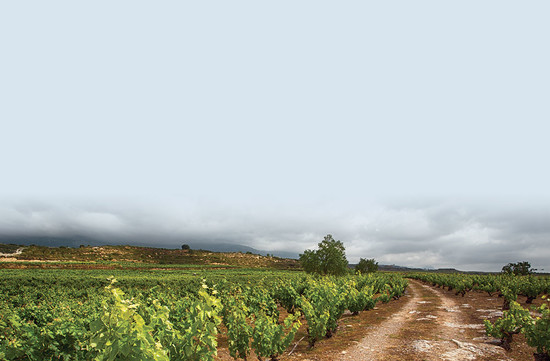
<point>74,241</point>
<point>395,268</point>
<point>229,247</point>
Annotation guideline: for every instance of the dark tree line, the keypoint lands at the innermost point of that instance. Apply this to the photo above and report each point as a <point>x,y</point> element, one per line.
<point>518,269</point>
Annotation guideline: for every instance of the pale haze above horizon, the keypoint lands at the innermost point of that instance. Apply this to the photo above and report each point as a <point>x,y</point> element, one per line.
<point>417,133</point>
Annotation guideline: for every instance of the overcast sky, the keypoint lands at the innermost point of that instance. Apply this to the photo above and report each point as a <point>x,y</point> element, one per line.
<point>415,132</point>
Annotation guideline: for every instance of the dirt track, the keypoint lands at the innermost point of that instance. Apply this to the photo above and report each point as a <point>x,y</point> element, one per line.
<point>429,326</point>
<point>426,324</point>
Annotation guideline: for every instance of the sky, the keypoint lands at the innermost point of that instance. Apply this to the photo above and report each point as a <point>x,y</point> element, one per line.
<point>415,132</point>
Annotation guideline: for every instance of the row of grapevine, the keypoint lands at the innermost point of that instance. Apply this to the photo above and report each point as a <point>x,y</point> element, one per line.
<point>507,286</point>
<point>121,329</point>
<point>61,322</point>
<point>253,322</point>
<point>519,320</point>
<point>321,302</point>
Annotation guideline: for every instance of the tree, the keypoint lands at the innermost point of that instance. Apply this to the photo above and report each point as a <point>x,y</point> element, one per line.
<point>185,247</point>
<point>366,265</point>
<point>518,269</point>
<point>329,259</point>
<point>310,261</point>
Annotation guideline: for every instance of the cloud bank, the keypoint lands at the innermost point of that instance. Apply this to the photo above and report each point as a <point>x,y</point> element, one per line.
<point>423,234</point>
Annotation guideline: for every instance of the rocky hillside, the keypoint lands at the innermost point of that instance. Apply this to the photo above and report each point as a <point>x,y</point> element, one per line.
<point>141,256</point>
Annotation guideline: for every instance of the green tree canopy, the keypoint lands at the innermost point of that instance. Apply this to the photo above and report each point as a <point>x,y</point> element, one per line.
<point>366,265</point>
<point>328,259</point>
<point>310,261</point>
<point>518,269</point>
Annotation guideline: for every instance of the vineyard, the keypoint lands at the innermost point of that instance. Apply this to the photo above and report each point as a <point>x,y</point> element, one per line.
<point>251,313</point>
<point>175,315</point>
<point>532,321</point>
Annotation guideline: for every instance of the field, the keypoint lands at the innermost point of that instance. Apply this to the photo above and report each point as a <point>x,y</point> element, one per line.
<point>75,307</point>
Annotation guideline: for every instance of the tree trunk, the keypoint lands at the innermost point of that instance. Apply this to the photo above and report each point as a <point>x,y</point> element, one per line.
<point>506,341</point>
<point>311,342</point>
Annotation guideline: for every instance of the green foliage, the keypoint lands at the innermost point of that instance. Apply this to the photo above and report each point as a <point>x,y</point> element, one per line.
<point>518,269</point>
<point>287,296</point>
<point>129,331</point>
<point>537,332</point>
<point>323,304</point>
<point>239,331</point>
<point>71,315</point>
<point>317,320</point>
<point>332,257</point>
<point>310,261</point>
<point>509,296</point>
<point>509,286</point>
<point>122,334</point>
<point>385,294</point>
<point>397,287</point>
<point>14,334</point>
<point>260,300</point>
<point>366,266</point>
<point>531,287</point>
<point>517,319</point>
<point>270,339</point>
<point>489,285</point>
<point>329,259</point>
<point>359,299</point>
<point>185,247</point>
<point>198,329</point>
<point>62,338</point>
<point>511,323</point>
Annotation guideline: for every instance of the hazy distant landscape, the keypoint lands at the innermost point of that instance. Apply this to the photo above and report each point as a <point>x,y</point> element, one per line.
<point>44,248</point>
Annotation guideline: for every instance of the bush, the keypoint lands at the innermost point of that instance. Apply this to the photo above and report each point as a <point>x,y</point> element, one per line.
<point>366,266</point>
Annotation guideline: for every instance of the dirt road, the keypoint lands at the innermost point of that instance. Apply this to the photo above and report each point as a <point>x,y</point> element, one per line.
<point>429,326</point>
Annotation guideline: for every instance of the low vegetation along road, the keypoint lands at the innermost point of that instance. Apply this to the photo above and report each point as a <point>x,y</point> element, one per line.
<point>430,326</point>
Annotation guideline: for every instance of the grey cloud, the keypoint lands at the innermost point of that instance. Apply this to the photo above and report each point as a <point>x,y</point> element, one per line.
<point>459,235</point>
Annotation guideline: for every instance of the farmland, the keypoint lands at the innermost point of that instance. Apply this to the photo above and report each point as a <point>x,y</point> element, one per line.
<point>119,308</point>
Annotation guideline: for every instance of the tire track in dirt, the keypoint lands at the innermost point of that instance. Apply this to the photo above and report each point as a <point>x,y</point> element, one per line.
<point>374,345</point>
<point>428,327</point>
<point>453,336</point>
